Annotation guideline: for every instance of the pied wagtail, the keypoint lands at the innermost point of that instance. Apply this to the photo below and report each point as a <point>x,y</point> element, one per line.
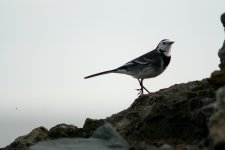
<point>146,66</point>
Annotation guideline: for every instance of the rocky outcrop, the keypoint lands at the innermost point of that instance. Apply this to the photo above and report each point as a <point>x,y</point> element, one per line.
<point>104,138</point>
<point>23,142</point>
<point>186,116</point>
<point>217,78</point>
<point>222,18</point>
<point>217,121</point>
<point>221,52</point>
<point>59,131</point>
<point>221,55</point>
<point>177,115</point>
<point>64,130</point>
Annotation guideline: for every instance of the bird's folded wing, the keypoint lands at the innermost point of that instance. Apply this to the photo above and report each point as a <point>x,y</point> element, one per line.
<point>136,62</point>
<point>146,59</point>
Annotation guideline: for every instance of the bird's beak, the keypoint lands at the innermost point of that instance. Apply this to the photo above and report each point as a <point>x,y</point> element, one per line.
<point>171,42</point>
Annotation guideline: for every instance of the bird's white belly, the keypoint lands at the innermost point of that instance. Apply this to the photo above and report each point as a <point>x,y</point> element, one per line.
<point>148,72</point>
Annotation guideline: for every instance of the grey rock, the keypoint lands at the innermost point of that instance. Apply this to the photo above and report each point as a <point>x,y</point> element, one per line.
<point>217,121</point>
<point>166,147</point>
<point>144,146</point>
<point>220,100</point>
<point>104,138</point>
<point>221,55</point>
<point>59,131</point>
<point>64,130</point>
<point>208,110</point>
<point>222,18</point>
<point>172,115</point>
<point>22,143</point>
<point>175,115</point>
<point>70,144</point>
<point>217,78</point>
<point>91,125</point>
<point>221,52</point>
<point>107,132</point>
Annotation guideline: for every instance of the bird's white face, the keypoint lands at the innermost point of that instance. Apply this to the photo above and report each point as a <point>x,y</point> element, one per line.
<point>164,47</point>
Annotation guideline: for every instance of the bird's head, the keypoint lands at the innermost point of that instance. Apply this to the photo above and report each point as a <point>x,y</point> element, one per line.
<point>164,47</point>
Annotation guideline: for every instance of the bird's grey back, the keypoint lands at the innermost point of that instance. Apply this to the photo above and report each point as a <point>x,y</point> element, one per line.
<point>144,66</point>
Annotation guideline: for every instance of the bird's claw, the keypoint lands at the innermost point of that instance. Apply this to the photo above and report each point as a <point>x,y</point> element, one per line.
<point>141,92</point>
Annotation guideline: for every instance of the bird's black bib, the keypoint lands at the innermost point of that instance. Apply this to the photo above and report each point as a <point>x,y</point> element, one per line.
<point>166,60</point>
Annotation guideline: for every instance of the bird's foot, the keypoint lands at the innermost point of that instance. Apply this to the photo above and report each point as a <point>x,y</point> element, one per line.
<point>141,92</point>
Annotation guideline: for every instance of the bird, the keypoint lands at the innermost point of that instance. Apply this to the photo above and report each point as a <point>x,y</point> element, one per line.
<point>145,66</point>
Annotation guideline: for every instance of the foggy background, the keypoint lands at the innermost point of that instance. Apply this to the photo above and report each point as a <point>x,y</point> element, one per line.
<point>48,46</point>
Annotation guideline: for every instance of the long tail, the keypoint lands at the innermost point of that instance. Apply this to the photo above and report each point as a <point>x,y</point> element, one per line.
<point>101,73</point>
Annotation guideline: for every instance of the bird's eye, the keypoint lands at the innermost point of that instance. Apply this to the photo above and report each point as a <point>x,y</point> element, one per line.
<point>164,43</point>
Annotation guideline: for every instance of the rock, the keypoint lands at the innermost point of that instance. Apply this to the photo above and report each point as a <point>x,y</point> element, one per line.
<point>166,147</point>
<point>221,55</point>
<point>173,115</point>
<point>222,18</point>
<point>104,138</point>
<point>217,121</point>
<point>217,78</point>
<point>114,140</point>
<point>64,130</point>
<point>177,116</point>
<point>221,52</point>
<point>22,143</point>
<point>91,125</point>
<point>144,146</point>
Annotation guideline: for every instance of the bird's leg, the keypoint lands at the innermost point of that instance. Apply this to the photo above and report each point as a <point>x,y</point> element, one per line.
<point>146,89</point>
<point>141,89</point>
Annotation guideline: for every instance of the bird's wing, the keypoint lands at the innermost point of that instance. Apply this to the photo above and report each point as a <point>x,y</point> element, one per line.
<point>146,59</point>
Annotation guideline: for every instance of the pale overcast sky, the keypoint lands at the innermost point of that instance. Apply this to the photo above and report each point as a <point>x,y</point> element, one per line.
<point>48,46</point>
